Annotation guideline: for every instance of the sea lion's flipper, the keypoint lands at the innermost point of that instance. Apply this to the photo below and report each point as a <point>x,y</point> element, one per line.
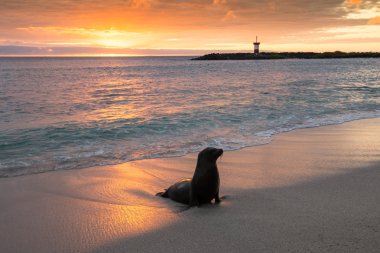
<point>163,194</point>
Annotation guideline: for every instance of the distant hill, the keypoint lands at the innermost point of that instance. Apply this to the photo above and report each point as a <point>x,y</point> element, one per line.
<point>287,55</point>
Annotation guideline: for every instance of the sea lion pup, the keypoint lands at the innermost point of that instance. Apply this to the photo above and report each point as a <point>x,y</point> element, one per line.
<point>203,187</point>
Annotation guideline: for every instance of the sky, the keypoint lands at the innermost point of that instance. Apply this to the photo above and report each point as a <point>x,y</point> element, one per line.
<point>179,27</point>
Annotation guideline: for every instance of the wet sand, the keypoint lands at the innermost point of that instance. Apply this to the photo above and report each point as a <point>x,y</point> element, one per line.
<point>310,190</point>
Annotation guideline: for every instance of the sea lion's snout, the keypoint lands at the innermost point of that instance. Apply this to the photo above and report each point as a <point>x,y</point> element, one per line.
<point>219,152</point>
<point>210,154</point>
<point>216,153</point>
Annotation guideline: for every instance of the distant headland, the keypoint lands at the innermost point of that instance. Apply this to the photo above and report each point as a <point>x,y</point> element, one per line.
<point>287,55</point>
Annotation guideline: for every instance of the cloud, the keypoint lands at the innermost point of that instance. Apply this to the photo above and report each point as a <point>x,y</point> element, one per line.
<point>62,51</point>
<point>353,2</point>
<point>374,21</point>
<point>347,33</point>
<point>111,32</point>
<point>230,15</point>
<point>196,23</point>
<point>170,14</point>
<point>110,37</point>
<point>219,2</point>
<point>141,3</point>
<point>363,13</point>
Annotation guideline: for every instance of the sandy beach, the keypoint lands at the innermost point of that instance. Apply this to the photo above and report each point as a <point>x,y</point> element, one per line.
<point>310,190</point>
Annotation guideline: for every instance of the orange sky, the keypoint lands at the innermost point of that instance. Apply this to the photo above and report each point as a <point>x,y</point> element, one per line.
<point>68,27</point>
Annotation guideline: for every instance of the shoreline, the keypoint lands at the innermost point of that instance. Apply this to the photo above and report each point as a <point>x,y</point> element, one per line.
<point>271,137</point>
<point>311,189</point>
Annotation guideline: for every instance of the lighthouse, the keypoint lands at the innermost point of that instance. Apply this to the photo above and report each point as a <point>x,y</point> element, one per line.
<point>256,46</point>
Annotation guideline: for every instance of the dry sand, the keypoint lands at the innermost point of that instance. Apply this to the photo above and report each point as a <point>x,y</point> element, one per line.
<point>311,190</point>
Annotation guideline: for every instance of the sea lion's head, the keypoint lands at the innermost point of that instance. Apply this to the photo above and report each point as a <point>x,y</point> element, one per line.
<point>209,155</point>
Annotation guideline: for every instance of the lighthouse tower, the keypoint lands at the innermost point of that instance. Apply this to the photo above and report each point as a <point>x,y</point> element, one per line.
<point>256,46</point>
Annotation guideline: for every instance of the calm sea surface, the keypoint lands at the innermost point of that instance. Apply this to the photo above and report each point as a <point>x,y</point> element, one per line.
<point>67,113</point>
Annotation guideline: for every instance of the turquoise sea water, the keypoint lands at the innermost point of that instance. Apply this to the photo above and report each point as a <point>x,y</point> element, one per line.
<point>67,113</point>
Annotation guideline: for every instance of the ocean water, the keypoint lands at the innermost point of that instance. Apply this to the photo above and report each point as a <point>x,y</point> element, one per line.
<point>68,113</point>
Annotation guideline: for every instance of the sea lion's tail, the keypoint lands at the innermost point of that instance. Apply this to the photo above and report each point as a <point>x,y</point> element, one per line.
<point>163,194</point>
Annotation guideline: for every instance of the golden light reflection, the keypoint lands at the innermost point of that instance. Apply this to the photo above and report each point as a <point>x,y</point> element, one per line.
<point>119,200</point>
<point>112,113</point>
<point>134,189</point>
